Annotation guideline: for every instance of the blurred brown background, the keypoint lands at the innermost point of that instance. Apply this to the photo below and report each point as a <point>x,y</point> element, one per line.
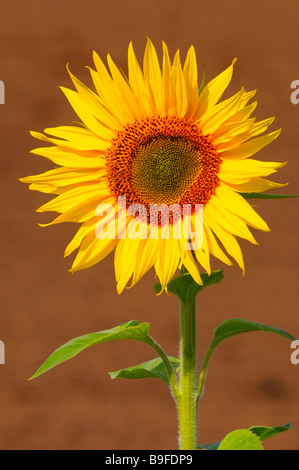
<point>251,380</point>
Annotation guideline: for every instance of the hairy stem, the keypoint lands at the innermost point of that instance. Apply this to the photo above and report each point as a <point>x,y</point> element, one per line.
<point>187,403</point>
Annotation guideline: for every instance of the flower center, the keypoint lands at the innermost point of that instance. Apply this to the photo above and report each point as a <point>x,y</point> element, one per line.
<point>163,168</point>
<point>160,160</point>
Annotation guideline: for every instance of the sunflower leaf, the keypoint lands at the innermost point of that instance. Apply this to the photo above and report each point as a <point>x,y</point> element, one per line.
<point>262,432</point>
<point>186,288</point>
<point>227,329</point>
<point>235,326</point>
<point>265,432</point>
<point>267,196</point>
<point>152,369</point>
<point>241,439</point>
<point>130,330</point>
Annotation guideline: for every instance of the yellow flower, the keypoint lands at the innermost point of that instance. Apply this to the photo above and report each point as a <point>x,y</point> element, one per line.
<point>150,139</point>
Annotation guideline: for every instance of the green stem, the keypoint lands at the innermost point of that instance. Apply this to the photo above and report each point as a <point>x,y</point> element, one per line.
<point>202,375</point>
<point>186,402</point>
<point>172,378</point>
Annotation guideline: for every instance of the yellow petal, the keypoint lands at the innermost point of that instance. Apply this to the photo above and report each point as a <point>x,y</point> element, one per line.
<point>213,91</point>
<point>152,75</point>
<point>137,82</point>
<point>249,148</point>
<point>124,261</point>
<point>146,258</point>
<point>112,99</point>
<point>168,94</point>
<point>230,222</point>
<point>227,239</point>
<point>214,247</point>
<point>203,257</point>
<point>85,228</point>
<point>92,251</point>
<point>69,157</point>
<point>80,138</point>
<point>216,115</point>
<point>179,87</point>
<point>168,260</point>
<point>74,197</point>
<point>191,266</point>
<point>232,140</point>
<point>91,114</point>
<point>190,68</point>
<point>260,126</point>
<point>228,131</point>
<point>236,204</point>
<point>242,113</point>
<point>81,212</point>
<point>191,82</point>
<point>234,171</point>
<point>256,185</point>
<point>65,176</point>
<point>130,100</point>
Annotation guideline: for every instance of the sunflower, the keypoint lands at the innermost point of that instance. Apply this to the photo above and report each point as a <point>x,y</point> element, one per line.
<point>156,139</point>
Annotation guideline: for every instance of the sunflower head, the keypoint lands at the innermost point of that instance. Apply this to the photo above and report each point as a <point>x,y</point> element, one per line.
<point>155,142</point>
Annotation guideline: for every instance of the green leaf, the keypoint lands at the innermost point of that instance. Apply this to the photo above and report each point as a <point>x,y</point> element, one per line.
<point>186,288</point>
<point>130,330</point>
<point>226,329</point>
<point>266,196</point>
<point>236,326</point>
<point>264,432</point>
<point>241,439</point>
<point>153,369</point>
